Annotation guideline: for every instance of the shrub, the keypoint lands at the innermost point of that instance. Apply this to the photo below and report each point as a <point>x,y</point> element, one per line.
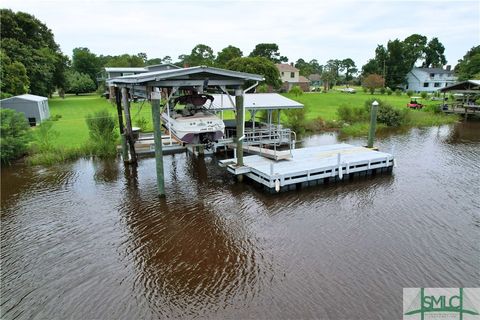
<point>296,90</point>
<point>365,89</point>
<point>142,124</point>
<point>398,92</point>
<point>389,115</point>
<point>352,114</point>
<point>382,90</point>
<point>102,133</point>
<point>14,135</point>
<point>389,91</point>
<point>410,93</point>
<point>44,137</point>
<point>296,119</point>
<point>424,95</point>
<point>263,88</point>
<point>372,90</point>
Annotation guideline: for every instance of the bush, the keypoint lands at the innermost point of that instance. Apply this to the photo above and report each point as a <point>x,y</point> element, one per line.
<point>382,90</point>
<point>296,119</point>
<point>389,91</point>
<point>410,93</point>
<point>296,90</point>
<point>44,137</point>
<point>365,89</point>
<point>14,135</point>
<point>389,115</point>
<point>424,95</point>
<point>398,92</point>
<point>350,114</point>
<point>102,133</point>
<point>263,88</point>
<point>142,124</point>
<point>372,90</point>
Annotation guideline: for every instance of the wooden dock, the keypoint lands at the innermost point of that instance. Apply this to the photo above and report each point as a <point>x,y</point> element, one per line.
<point>311,166</point>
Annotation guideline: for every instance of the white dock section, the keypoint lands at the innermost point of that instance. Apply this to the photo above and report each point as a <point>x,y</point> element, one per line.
<point>268,153</point>
<point>312,165</point>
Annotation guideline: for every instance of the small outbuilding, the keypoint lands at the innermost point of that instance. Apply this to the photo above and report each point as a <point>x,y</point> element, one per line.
<point>34,107</point>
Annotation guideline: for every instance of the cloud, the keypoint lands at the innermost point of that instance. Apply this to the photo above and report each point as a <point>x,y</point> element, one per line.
<point>303,29</point>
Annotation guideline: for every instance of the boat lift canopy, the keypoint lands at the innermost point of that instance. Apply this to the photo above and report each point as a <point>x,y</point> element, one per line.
<point>253,101</point>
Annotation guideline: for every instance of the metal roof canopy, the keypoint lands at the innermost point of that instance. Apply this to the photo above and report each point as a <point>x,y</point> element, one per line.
<point>187,77</point>
<point>253,101</point>
<point>469,86</point>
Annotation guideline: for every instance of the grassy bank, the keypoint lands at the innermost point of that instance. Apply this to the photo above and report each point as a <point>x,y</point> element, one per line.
<point>321,113</point>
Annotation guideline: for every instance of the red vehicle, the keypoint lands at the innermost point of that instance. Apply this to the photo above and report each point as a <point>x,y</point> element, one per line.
<point>414,104</point>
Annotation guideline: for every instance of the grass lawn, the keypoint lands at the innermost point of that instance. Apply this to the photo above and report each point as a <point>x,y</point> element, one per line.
<point>73,131</point>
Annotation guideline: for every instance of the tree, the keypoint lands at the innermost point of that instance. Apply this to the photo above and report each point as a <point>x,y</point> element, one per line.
<point>257,65</point>
<point>14,76</point>
<point>26,40</point>
<point>201,55</point>
<point>434,54</point>
<point>373,81</point>
<point>350,68</point>
<point>396,68</point>
<point>414,47</point>
<point>469,66</point>
<point>269,51</point>
<point>79,83</point>
<point>125,60</point>
<point>227,54</point>
<point>86,62</point>
<point>14,135</point>
<point>328,77</point>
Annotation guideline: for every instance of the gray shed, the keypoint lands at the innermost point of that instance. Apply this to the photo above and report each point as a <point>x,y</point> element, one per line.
<point>34,107</point>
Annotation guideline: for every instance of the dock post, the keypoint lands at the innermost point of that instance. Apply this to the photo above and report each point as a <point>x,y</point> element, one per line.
<point>118,101</point>
<point>128,127</point>
<point>157,136</point>
<point>373,124</point>
<point>240,124</point>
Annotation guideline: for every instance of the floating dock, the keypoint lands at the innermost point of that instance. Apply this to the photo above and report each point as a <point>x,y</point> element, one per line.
<point>311,166</point>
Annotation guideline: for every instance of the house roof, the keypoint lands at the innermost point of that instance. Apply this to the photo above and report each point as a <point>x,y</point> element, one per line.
<point>303,79</point>
<point>464,86</point>
<point>29,97</point>
<point>254,101</point>
<point>188,76</point>
<point>315,77</point>
<point>286,67</point>
<point>125,69</point>
<point>434,70</point>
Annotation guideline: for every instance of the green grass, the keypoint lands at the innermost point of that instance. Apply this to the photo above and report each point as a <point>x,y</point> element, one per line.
<point>321,109</point>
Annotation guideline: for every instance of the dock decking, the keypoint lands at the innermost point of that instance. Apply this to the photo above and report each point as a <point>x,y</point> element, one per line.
<point>312,165</point>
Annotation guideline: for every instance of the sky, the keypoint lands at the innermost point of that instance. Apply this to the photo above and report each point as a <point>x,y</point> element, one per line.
<point>322,30</point>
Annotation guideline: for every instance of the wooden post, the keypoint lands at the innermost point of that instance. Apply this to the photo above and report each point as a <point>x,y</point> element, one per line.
<point>240,124</point>
<point>373,124</point>
<point>128,127</point>
<point>118,101</point>
<point>157,135</point>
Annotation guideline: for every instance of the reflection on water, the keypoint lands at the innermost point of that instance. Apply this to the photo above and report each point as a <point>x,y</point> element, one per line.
<point>91,239</point>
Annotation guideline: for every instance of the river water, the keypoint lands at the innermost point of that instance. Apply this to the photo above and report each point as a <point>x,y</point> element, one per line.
<point>91,240</point>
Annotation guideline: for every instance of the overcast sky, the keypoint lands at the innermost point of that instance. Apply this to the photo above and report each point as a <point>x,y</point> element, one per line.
<point>319,30</point>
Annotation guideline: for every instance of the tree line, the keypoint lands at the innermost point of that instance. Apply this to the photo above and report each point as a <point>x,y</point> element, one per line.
<point>33,62</point>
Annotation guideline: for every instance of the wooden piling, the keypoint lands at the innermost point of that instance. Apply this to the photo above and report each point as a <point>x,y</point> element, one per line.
<point>157,135</point>
<point>128,126</point>
<point>118,101</point>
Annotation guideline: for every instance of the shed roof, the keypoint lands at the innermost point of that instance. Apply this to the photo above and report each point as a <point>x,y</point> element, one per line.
<point>186,76</point>
<point>468,85</point>
<point>303,79</point>
<point>28,97</point>
<point>254,101</point>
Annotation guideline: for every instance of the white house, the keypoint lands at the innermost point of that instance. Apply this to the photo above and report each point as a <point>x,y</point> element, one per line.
<point>35,108</point>
<point>429,79</point>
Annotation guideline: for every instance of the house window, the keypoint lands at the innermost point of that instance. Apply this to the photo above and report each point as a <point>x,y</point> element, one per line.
<point>32,122</point>
<point>283,73</point>
<point>432,75</point>
<point>127,74</point>
<point>425,84</point>
<point>292,74</point>
<point>437,85</point>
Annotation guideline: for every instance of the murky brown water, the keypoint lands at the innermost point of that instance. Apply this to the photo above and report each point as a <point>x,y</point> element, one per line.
<point>90,239</point>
